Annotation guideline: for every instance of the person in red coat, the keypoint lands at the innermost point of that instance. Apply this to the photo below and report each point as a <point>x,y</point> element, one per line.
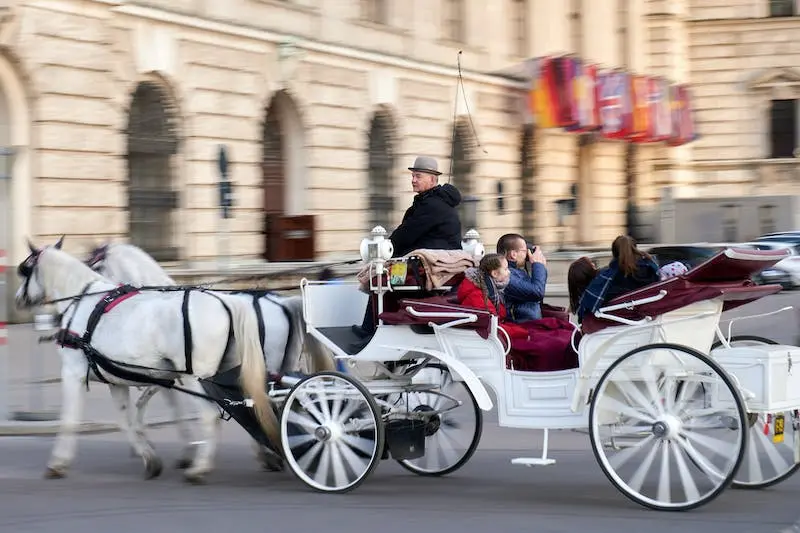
<point>482,288</point>
<point>538,345</point>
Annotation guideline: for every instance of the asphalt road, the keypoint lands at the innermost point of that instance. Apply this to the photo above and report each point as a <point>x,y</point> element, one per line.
<point>106,492</point>
<point>105,489</point>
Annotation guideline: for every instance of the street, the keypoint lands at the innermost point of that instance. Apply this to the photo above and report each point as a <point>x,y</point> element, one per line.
<point>105,488</point>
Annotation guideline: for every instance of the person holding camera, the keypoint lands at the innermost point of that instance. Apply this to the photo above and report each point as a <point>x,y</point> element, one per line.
<point>525,290</point>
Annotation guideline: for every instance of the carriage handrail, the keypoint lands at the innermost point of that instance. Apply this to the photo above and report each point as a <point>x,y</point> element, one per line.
<point>603,311</point>
<point>459,318</point>
<point>633,303</point>
<point>726,341</point>
<point>508,338</point>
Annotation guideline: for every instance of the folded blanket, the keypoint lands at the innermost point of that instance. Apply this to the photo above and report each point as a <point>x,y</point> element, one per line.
<point>441,265</point>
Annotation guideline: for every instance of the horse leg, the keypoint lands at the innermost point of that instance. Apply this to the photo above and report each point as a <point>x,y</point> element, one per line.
<point>141,406</point>
<point>184,432</point>
<point>207,447</point>
<point>72,382</point>
<point>136,437</point>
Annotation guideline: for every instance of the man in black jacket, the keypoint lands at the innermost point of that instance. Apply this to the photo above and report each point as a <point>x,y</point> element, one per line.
<point>431,222</point>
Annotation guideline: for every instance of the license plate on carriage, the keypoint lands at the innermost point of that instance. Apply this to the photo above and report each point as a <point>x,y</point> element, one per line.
<point>777,435</point>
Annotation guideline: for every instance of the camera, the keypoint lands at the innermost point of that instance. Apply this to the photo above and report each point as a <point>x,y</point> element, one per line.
<point>531,248</point>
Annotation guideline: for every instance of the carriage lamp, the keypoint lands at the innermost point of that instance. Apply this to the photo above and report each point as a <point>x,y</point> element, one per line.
<point>472,244</point>
<point>377,249</point>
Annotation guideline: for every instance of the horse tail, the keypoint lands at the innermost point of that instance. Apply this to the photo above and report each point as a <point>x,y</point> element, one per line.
<point>253,375</point>
<point>321,358</point>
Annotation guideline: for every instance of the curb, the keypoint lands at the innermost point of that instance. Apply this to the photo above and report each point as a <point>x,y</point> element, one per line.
<point>42,429</point>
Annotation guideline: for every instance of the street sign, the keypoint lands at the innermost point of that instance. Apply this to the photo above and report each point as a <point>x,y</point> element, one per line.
<point>225,185</point>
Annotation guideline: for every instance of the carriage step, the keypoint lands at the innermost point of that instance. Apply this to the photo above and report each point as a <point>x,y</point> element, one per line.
<point>533,461</point>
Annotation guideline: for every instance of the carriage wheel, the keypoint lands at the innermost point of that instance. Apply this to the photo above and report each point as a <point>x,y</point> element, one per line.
<point>766,462</point>
<point>331,431</point>
<point>451,437</point>
<point>647,427</point>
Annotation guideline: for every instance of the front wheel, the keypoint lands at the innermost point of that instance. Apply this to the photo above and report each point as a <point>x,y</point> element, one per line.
<point>332,432</point>
<point>770,456</point>
<point>667,427</point>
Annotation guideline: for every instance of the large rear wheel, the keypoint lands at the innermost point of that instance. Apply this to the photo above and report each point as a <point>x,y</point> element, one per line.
<point>667,426</point>
<point>769,458</point>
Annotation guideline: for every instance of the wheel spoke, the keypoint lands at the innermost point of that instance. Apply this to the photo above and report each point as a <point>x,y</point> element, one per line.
<point>615,406</point>
<point>689,485</point>
<point>621,458</point>
<point>664,477</point>
<point>637,479</point>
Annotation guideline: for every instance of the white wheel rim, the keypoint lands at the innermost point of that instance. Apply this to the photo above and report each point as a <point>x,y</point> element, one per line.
<point>455,433</point>
<point>329,433</point>
<point>678,444</point>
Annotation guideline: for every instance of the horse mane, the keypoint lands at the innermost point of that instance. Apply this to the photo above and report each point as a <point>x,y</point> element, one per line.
<point>64,274</point>
<point>124,263</point>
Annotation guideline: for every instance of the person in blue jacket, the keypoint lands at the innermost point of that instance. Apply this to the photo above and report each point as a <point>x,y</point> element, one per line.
<point>525,290</point>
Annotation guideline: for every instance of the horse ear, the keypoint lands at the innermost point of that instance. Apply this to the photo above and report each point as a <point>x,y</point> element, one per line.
<point>60,243</point>
<point>31,247</point>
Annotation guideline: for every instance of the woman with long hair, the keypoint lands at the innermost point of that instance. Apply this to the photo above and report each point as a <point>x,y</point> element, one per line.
<point>628,270</point>
<point>581,273</point>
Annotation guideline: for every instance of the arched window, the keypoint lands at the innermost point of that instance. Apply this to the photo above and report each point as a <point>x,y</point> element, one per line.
<point>462,176</point>
<point>381,166</point>
<point>152,198</point>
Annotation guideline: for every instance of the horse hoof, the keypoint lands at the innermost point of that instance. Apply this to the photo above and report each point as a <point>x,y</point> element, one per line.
<point>195,479</point>
<point>152,468</point>
<point>183,464</point>
<point>272,464</point>
<point>54,473</point>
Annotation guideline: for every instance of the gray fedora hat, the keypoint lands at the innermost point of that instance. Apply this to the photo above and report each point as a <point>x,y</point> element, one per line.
<point>426,164</point>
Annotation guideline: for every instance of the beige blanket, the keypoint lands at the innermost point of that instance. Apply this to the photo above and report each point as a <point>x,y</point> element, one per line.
<point>440,266</point>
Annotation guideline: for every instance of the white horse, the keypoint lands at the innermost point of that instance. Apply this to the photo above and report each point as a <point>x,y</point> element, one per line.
<point>284,339</point>
<point>145,330</point>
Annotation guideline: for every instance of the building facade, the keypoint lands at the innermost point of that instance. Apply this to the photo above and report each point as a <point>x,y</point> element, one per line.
<point>746,81</point>
<point>115,112</point>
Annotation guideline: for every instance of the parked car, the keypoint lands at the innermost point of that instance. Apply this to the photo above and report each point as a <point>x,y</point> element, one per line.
<point>694,254</point>
<point>791,264</point>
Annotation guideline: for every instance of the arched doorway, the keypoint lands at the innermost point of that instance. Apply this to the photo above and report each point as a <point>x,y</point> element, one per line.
<point>528,177</point>
<point>462,160</point>
<point>289,234</point>
<point>380,167</point>
<point>152,195</point>
<point>587,223</point>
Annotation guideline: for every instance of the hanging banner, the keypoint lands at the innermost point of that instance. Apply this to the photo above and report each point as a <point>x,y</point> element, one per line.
<point>640,109</point>
<point>683,127</point>
<point>585,97</point>
<point>565,70</point>
<point>660,115</point>
<point>613,103</point>
<point>543,109</point>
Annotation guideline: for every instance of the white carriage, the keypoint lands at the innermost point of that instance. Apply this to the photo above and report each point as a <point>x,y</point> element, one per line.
<point>675,409</point>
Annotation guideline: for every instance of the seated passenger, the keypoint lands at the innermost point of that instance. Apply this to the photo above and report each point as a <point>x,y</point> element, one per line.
<point>630,269</point>
<point>525,290</point>
<point>580,274</point>
<point>671,270</point>
<point>482,288</point>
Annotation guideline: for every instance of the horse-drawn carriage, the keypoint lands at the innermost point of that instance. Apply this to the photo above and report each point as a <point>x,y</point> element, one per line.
<point>673,415</point>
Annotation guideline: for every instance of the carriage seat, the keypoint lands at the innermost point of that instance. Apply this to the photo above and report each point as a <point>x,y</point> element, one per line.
<point>428,270</point>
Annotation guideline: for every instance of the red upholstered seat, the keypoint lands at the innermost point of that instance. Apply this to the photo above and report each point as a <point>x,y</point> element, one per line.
<point>725,276</point>
<point>436,304</point>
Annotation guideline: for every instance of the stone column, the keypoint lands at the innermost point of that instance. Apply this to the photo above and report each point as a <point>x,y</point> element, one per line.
<point>554,148</point>
<point>668,42</point>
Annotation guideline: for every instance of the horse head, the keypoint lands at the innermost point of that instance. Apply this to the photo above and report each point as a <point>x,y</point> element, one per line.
<point>97,257</point>
<point>49,272</point>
